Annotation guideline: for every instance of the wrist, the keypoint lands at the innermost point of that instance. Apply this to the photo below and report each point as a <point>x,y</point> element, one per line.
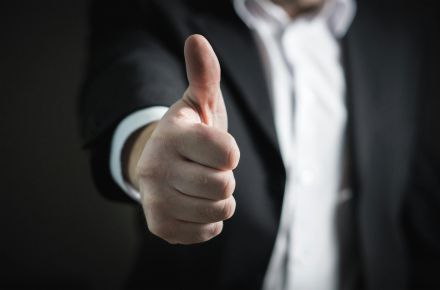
<point>132,152</point>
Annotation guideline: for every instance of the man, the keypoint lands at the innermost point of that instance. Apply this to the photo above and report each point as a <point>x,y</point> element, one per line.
<point>312,164</point>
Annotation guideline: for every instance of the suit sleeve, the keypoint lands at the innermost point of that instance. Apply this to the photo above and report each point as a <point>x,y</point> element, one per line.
<point>131,66</point>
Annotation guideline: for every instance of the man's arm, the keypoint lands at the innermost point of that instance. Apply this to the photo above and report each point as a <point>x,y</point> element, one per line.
<point>129,69</point>
<point>123,133</point>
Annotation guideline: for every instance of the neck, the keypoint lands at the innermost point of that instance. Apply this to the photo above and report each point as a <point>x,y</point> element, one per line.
<point>295,8</point>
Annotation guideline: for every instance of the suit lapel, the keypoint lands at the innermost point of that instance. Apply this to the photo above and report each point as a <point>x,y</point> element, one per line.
<point>383,65</point>
<point>240,59</point>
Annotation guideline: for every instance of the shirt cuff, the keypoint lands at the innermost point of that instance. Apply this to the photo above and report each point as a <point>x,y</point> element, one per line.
<point>123,131</point>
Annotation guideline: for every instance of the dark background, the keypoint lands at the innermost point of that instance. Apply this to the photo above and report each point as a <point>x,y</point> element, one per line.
<point>55,229</point>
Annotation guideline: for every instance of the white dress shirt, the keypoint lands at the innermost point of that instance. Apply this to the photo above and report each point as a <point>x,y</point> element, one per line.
<point>302,62</point>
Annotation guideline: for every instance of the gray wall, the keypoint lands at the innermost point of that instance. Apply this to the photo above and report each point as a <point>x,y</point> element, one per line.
<point>55,229</point>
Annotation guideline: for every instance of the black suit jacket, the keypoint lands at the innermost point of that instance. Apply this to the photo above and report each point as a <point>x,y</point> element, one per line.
<point>391,63</point>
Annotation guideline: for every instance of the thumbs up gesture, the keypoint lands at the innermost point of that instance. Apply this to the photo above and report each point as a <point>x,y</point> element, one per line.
<point>184,172</point>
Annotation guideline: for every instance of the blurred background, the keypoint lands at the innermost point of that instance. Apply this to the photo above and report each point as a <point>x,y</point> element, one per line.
<point>57,232</point>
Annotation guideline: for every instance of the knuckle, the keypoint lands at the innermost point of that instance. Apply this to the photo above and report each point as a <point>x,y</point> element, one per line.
<point>208,232</point>
<point>219,211</point>
<point>226,185</point>
<point>231,207</point>
<point>214,229</point>
<point>232,153</point>
<point>228,208</point>
<point>229,186</point>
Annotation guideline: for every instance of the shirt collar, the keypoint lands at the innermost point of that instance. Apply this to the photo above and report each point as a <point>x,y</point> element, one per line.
<point>339,14</point>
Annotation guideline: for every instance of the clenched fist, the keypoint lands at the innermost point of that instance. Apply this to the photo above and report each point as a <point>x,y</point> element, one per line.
<point>184,171</point>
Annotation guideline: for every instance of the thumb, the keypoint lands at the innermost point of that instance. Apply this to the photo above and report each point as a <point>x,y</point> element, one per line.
<point>203,72</point>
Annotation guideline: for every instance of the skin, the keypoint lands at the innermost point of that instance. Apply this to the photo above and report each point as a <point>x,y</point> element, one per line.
<point>183,165</point>
<point>298,7</point>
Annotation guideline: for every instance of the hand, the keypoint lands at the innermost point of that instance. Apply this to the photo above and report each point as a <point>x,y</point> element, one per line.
<point>184,172</point>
